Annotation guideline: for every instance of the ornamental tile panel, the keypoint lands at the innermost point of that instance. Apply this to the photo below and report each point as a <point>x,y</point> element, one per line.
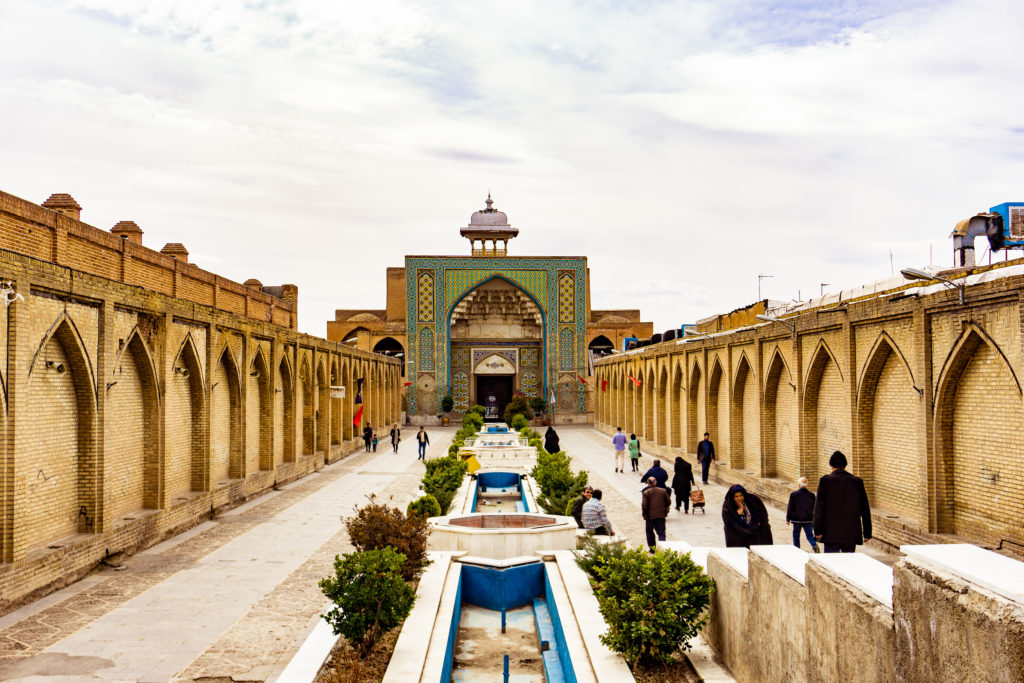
<point>425,296</point>
<point>528,358</point>
<point>566,298</point>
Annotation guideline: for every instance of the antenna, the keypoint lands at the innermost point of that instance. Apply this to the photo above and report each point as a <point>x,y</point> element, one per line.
<point>761,276</point>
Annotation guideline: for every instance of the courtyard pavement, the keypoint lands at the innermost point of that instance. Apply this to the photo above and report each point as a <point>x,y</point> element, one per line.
<point>234,597</point>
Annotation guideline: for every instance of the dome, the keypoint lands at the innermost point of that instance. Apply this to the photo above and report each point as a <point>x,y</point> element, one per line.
<point>489,217</point>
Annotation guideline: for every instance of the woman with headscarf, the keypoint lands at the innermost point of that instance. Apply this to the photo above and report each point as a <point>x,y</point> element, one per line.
<point>745,519</point>
<point>551,440</point>
<point>681,480</point>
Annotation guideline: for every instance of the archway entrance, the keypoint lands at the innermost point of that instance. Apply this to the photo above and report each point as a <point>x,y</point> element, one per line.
<point>494,392</point>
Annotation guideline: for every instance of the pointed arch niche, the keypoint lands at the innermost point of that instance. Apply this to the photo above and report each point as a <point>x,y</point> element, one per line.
<point>745,419</point>
<point>826,411</point>
<point>889,422</point>
<point>186,458</point>
<point>780,414</point>
<point>132,425</point>
<point>284,413</point>
<point>259,428</point>
<point>980,441</point>
<point>58,452</point>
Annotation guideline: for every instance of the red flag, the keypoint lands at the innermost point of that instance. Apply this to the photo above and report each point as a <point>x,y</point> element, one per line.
<point>581,379</point>
<point>408,384</point>
<point>358,416</point>
<point>635,380</point>
<point>604,385</point>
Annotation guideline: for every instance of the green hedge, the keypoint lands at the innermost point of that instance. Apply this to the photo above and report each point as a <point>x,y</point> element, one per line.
<point>558,485</point>
<point>443,478</point>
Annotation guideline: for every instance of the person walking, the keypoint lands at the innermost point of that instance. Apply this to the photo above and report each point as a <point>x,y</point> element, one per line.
<point>595,516</point>
<point>619,441</point>
<point>682,478</point>
<point>375,442</point>
<point>745,519</point>
<point>842,514</point>
<point>551,440</point>
<point>396,436</point>
<point>634,452</point>
<point>422,441</point>
<point>800,513</point>
<point>654,505</point>
<point>705,456</point>
<point>577,505</point>
<point>659,474</point>
<point>368,437</point>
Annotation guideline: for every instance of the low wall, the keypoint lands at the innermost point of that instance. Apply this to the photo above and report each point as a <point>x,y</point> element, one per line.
<point>945,613</point>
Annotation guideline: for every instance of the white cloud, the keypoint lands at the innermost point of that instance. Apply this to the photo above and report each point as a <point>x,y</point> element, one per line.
<point>683,146</point>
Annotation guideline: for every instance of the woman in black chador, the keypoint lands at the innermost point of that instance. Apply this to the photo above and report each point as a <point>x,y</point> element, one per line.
<point>551,440</point>
<point>681,481</point>
<point>745,519</point>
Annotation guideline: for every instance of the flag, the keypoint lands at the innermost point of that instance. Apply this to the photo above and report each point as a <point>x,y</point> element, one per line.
<point>604,385</point>
<point>408,384</point>
<point>358,417</point>
<point>635,380</point>
<point>552,401</point>
<point>581,379</point>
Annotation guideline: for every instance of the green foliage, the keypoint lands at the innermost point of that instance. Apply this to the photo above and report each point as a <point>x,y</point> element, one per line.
<point>478,409</point>
<point>558,485</point>
<point>447,403</point>
<point>594,557</point>
<point>453,449</point>
<point>538,404</point>
<point>443,478</point>
<point>381,526</point>
<point>369,595</point>
<point>536,443</point>
<point>519,405</point>
<point>424,506</point>
<point>518,422</point>
<point>472,421</point>
<point>653,603</point>
<point>529,433</point>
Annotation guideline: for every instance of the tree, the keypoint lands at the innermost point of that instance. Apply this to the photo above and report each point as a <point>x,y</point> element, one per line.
<point>377,526</point>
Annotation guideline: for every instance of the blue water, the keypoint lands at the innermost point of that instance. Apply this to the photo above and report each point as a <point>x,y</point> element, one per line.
<point>496,429</point>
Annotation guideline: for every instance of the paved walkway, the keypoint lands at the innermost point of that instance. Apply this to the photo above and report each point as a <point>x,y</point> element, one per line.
<point>234,597</point>
<point>231,598</point>
<point>592,450</point>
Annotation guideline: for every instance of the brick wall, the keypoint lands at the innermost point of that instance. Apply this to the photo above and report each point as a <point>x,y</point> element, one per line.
<point>922,394</point>
<point>128,413</point>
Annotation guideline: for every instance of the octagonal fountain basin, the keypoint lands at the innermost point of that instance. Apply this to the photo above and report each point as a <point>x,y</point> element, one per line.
<point>501,536</point>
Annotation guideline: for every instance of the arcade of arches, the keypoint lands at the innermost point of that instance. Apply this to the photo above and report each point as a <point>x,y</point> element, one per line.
<point>129,415</point>
<point>922,394</point>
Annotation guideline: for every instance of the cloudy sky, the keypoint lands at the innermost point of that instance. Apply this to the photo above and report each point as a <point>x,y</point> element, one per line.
<point>683,146</point>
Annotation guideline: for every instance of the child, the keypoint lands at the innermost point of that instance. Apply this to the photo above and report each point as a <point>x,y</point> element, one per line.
<point>634,452</point>
<point>375,441</point>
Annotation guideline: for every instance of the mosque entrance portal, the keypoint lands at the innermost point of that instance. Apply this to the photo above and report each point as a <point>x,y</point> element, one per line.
<point>494,392</point>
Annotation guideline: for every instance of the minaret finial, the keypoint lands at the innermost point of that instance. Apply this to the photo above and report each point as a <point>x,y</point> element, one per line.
<point>489,201</point>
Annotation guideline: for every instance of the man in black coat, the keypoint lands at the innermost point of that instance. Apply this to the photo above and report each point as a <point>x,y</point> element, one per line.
<point>705,456</point>
<point>654,506</point>
<point>842,515</point>
<point>800,513</point>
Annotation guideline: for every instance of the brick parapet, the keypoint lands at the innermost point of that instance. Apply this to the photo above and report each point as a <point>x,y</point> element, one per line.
<point>32,230</point>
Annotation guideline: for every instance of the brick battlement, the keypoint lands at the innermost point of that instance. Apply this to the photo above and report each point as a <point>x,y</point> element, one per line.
<point>49,235</point>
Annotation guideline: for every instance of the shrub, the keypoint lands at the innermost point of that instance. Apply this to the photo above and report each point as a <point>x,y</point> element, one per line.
<point>443,478</point>
<point>518,406</point>
<point>653,603</point>
<point>369,595</point>
<point>518,422</point>
<point>538,404</point>
<point>478,409</point>
<point>472,421</point>
<point>558,485</point>
<point>447,403</point>
<point>424,506</point>
<point>529,433</point>
<point>593,556</point>
<point>380,526</point>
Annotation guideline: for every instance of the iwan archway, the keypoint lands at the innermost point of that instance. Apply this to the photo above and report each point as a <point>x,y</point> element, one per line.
<point>496,346</point>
